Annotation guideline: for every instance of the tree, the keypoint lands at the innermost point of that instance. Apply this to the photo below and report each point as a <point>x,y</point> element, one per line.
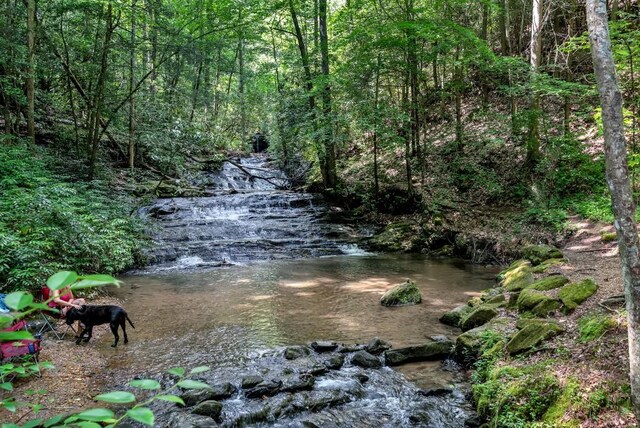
<point>624,208</point>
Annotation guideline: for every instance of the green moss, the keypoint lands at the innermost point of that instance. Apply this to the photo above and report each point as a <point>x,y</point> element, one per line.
<point>537,303</point>
<point>542,267</point>
<point>397,237</point>
<point>608,236</point>
<point>537,254</point>
<point>574,294</point>
<point>532,335</point>
<point>512,267</point>
<point>549,283</point>
<point>454,316</point>
<point>518,279</point>
<point>565,402</point>
<point>594,326</point>
<point>480,315</point>
<point>406,293</point>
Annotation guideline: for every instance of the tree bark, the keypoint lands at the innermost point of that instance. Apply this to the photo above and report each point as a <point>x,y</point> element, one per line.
<point>624,208</point>
<point>31,69</point>
<point>533,138</point>
<point>132,69</point>
<point>331,178</point>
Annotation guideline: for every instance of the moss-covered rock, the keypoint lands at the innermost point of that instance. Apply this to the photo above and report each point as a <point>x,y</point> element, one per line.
<point>542,267</point>
<point>537,303</point>
<point>593,326</point>
<point>549,283</point>
<point>491,292</point>
<point>475,301</point>
<point>432,350</point>
<point>398,237</point>
<point>518,264</point>
<point>575,294</point>
<point>608,236</point>
<point>498,300</point>
<point>556,414</point>
<point>469,344</point>
<point>537,254</point>
<point>518,279</point>
<point>479,316</point>
<point>454,316</point>
<point>532,334</point>
<point>406,293</point>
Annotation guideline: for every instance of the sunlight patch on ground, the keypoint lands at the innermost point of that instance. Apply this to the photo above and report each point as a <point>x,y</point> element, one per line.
<point>260,297</point>
<point>373,285</point>
<point>304,294</point>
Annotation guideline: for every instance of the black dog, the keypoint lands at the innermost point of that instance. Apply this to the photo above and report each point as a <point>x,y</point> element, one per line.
<point>91,315</point>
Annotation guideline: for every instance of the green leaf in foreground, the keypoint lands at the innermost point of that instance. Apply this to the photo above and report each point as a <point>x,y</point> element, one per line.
<point>192,384</point>
<point>88,424</point>
<point>200,369</point>
<point>178,371</point>
<point>141,414</point>
<point>18,300</point>
<point>8,336</point>
<point>145,384</point>
<point>116,397</point>
<point>96,415</point>
<point>61,279</point>
<point>171,398</point>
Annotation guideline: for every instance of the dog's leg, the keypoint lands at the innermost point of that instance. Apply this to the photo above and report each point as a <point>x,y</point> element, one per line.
<point>89,331</point>
<point>114,330</point>
<point>123,324</point>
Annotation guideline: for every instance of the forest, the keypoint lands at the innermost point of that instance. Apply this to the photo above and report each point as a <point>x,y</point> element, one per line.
<point>466,129</point>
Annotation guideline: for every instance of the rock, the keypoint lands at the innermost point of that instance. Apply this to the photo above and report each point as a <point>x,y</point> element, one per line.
<point>575,294</point>
<point>215,392</point>
<point>536,302</point>
<point>532,334</point>
<point>188,420</point>
<point>210,408</point>
<point>436,392</point>
<point>474,421</point>
<point>518,279</point>
<point>537,254</point>
<point>440,338</point>
<point>295,352</point>
<point>396,237</point>
<point>317,370</point>
<point>265,389</point>
<point>469,343</point>
<point>479,316</point>
<point>335,362</point>
<point>495,299</point>
<point>377,346</point>
<point>223,390</point>
<point>549,283</point>
<point>324,346</point>
<point>542,267</point>
<point>251,381</point>
<point>402,294</point>
<point>351,348</point>
<point>515,266</point>
<point>366,360</point>
<point>475,301</point>
<point>434,350</point>
<point>304,382</point>
<point>608,236</point>
<point>362,378</point>
<point>454,316</point>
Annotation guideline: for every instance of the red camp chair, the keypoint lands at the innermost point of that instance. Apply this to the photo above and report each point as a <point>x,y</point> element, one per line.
<point>53,321</point>
<point>20,348</point>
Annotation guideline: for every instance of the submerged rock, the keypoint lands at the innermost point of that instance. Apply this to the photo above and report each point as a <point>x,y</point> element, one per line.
<point>265,389</point>
<point>188,420</point>
<point>532,334</point>
<point>335,362</point>
<point>407,293</point>
<point>575,294</point>
<point>434,350</point>
<point>251,381</point>
<point>215,392</point>
<point>210,408</point>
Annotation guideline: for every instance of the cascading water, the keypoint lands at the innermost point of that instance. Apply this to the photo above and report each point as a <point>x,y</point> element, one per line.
<point>246,218</point>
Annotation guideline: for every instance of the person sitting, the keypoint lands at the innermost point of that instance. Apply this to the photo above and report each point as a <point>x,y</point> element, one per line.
<point>63,299</point>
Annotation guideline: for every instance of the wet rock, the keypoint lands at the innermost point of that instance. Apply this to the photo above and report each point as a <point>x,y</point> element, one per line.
<point>188,420</point>
<point>436,392</point>
<point>366,360</point>
<point>351,348</point>
<point>210,408</point>
<point>302,383</point>
<point>532,335</point>
<point>575,294</point>
<point>429,351</point>
<point>265,389</point>
<point>474,421</point>
<point>549,283</point>
<point>324,346</point>
<point>407,293</point>
<point>479,316</point>
<point>454,316</point>
<point>537,254</point>
<point>295,352</point>
<point>317,370</point>
<point>322,401</point>
<point>335,362</point>
<point>251,381</point>
<point>377,346</point>
<point>361,377</point>
<point>215,392</point>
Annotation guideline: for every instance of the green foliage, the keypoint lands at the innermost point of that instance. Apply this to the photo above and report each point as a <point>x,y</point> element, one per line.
<point>48,223</point>
<point>594,326</point>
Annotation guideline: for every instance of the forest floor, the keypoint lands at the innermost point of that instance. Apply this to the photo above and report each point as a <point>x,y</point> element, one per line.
<point>80,370</point>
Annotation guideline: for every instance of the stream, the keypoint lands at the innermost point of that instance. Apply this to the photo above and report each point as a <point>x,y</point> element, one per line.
<point>239,275</point>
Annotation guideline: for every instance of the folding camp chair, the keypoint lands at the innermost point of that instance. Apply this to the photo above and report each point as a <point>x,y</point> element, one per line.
<point>53,320</point>
<point>19,348</point>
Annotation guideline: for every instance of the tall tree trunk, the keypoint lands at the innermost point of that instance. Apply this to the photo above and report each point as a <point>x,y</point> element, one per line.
<point>241,84</point>
<point>502,27</point>
<point>327,125</point>
<point>31,69</point>
<point>304,57</point>
<point>457,71</point>
<point>624,208</point>
<point>132,69</point>
<point>533,137</point>
<point>376,187</point>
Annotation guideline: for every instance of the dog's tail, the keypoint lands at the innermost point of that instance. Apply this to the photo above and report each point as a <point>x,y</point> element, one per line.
<point>130,323</point>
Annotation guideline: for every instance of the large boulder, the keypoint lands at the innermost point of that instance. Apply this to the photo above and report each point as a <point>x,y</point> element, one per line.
<point>516,265</point>
<point>366,360</point>
<point>407,293</point>
<point>454,316</point>
<point>469,343</point>
<point>542,267</point>
<point>574,294</point>
<point>377,346</point>
<point>479,316</point>
<point>433,350</point>
<point>214,392</point>
<point>518,278</point>
<point>537,303</point>
<point>533,333</point>
<point>537,254</point>
<point>264,389</point>
<point>295,352</point>
<point>549,283</point>
<point>210,408</point>
<point>400,236</point>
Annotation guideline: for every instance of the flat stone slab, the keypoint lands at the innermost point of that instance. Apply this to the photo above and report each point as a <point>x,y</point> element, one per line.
<point>435,350</point>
